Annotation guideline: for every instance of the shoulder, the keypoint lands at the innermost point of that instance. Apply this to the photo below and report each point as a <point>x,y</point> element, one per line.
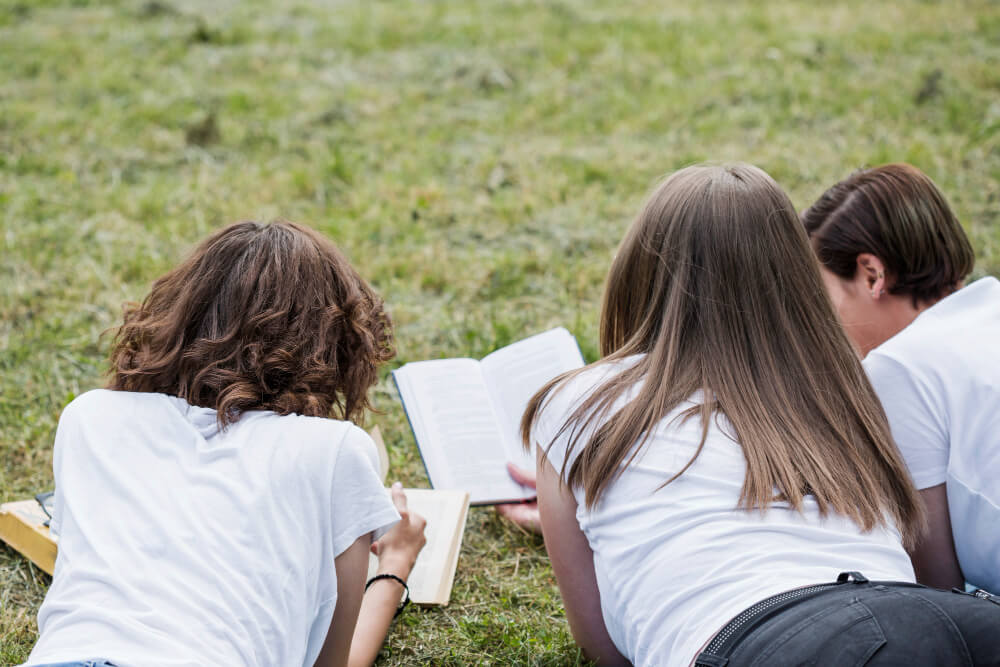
<point>952,339</point>
<point>356,448</point>
<point>100,404</point>
<point>96,398</point>
<point>908,351</point>
<point>571,392</point>
<point>907,384</point>
<point>341,443</point>
<point>948,327</point>
<point>100,421</point>
<point>118,402</point>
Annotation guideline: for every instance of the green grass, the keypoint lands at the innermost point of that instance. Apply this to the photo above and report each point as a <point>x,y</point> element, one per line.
<point>478,161</point>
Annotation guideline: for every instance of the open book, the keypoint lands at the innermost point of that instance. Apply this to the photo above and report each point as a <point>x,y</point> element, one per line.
<point>466,414</point>
<point>23,526</point>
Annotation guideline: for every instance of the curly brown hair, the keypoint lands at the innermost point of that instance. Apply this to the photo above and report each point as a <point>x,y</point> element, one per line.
<point>259,317</point>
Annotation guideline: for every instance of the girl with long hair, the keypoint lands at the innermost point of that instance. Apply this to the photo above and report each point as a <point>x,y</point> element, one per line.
<point>215,505</point>
<point>721,487</point>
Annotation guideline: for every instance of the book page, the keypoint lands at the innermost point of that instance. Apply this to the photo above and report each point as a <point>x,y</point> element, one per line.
<point>30,512</point>
<point>383,453</point>
<point>434,571</point>
<point>433,574</point>
<point>516,372</point>
<point>457,430</point>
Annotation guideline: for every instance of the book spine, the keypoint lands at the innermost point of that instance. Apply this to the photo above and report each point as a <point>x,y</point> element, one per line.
<point>410,423</point>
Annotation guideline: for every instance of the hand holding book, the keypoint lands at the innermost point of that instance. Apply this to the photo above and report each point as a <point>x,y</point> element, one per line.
<point>523,514</point>
<point>397,550</point>
<point>434,520</point>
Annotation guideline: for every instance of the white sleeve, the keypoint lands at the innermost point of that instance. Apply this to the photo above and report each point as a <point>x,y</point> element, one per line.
<point>554,412</point>
<point>55,523</point>
<point>67,431</point>
<point>361,504</point>
<point>915,417</point>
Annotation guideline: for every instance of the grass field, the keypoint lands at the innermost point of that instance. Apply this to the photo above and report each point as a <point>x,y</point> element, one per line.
<point>478,161</point>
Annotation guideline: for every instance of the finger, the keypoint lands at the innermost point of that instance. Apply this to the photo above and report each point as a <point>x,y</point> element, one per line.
<point>376,547</point>
<point>528,518</point>
<point>524,515</point>
<point>521,476</point>
<point>398,497</point>
<point>511,510</point>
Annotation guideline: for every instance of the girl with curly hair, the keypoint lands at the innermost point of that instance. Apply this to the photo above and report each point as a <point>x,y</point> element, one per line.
<point>215,505</point>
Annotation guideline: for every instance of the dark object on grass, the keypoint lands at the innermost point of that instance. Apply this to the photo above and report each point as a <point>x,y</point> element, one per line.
<point>203,34</point>
<point>338,113</point>
<point>155,8</point>
<point>19,10</point>
<point>203,133</point>
<point>930,86</point>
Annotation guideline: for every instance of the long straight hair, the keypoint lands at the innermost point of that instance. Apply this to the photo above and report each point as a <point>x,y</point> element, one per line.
<point>716,286</point>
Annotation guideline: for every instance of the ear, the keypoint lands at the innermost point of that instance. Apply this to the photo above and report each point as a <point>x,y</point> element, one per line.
<point>871,273</point>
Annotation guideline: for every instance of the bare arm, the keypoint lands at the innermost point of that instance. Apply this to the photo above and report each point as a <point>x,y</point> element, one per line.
<point>934,559</point>
<point>351,566</point>
<point>573,564</point>
<point>377,610</point>
<point>361,620</point>
<point>397,552</point>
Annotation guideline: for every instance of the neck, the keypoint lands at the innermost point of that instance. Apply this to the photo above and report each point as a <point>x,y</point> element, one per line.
<point>898,311</point>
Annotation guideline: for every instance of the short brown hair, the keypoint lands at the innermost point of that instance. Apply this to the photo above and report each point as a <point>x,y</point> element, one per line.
<point>896,213</point>
<point>259,317</point>
<point>716,288</point>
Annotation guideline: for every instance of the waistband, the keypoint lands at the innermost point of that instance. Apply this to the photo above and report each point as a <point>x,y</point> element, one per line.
<point>716,654</point>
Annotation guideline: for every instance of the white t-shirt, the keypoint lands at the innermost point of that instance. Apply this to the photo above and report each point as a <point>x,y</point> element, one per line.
<point>675,564</point>
<point>939,382</point>
<point>180,544</point>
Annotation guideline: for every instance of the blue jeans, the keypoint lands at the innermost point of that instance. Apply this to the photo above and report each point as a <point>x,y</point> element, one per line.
<point>876,624</point>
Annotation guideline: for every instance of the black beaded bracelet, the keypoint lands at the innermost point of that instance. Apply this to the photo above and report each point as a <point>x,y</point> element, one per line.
<point>394,578</point>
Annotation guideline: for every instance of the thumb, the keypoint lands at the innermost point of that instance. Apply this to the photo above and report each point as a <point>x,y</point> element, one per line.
<point>521,476</point>
<point>398,497</point>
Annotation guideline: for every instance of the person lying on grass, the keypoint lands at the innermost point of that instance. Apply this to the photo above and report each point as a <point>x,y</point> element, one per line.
<point>721,487</point>
<point>214,505</point>
<point>894,259</point>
